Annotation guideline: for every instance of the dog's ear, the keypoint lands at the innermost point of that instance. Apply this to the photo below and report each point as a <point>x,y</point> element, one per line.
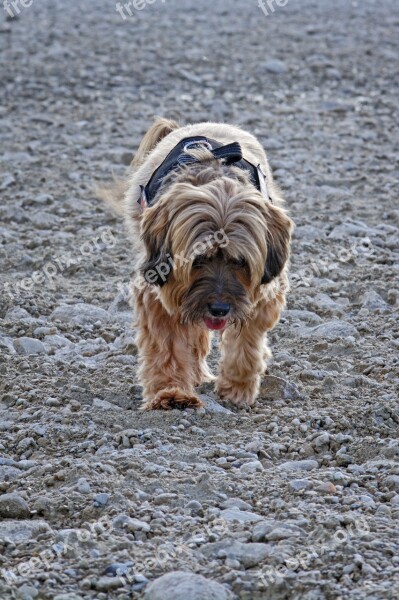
<point>159,263</point>
<point>158,266</point>
<point>278,238</point>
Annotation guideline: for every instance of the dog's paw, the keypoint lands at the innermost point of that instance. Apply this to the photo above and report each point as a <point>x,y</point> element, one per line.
<point>241,395</point>
<point>172,398</point>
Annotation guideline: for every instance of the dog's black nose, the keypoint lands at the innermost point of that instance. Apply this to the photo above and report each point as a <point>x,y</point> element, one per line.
<point>219,309</point>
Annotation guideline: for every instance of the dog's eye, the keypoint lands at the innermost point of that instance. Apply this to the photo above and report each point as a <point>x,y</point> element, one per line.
<point>199,262</point>
<point>239,262</point>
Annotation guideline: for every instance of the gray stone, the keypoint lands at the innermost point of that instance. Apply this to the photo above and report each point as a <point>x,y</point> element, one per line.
<point>26,345</point>
<point>331,330</point>
<point>252,467</point>
<point>126,343</point>
<point>101,500</point>
<point>308,232</point>
<point>17,313</point>
<point>12,506</point>
<point>275,531</point>
<point>7,344</point>
<point>26,592</point>
<point>306,316</point>
<point>194,507</point>
<point>341,232</point>
<point>300,484</point>
<point>105,405</point>
<point>57,341</point>
<point>324,302</point>
<point>373,301</point>
<point>83,486</point>
<point>121,302</point>
<point>79,314</point>
<point>212,406</point>
<point>299,465</point>
<point>249,555</point>
<point>43,198</point>
<point>241,516</point>
<point>22,530</point>
<point>118,569</point>
<point>277,388</point>
<point>68,596</point>
<point>8,473</point>
<point>7,181</point>
<point>392,482</point>
<point>274,66</point>
<point>236,503</point>
<point>137,525</point>
<point>182,585</point>
<point>105,584</point>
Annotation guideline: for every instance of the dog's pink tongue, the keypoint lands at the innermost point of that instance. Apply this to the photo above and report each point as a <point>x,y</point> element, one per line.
<point>215,324</point>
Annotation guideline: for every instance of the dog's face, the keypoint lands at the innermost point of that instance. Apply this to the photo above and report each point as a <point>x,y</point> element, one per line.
<point>211,242</point>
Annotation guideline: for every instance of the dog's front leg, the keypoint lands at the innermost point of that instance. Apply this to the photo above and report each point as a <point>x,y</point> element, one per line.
<point>244,353</point>
<point>167,356</point>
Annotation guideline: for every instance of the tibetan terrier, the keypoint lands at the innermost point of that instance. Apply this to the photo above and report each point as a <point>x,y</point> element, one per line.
<point>211,246</point>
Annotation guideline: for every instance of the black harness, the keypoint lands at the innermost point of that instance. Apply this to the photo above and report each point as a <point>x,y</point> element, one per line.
<point>231,154</point>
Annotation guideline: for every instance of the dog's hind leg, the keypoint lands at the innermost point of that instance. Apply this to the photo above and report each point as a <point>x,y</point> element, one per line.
<point>168,355</point>
<point>244,353</point>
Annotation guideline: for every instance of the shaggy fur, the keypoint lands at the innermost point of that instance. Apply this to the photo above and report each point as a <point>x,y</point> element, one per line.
<point>209,237</point>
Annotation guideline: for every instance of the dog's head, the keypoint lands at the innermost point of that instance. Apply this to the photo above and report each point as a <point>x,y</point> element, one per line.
<point>212,240</point>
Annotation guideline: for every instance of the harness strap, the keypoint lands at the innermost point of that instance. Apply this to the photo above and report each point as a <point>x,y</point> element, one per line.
<point>231,154</point>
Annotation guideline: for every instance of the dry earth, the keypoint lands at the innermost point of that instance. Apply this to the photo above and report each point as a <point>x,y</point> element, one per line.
<point>298,498</point>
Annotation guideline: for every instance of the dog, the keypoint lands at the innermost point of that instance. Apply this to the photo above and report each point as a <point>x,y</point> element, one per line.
<point>211,244</point>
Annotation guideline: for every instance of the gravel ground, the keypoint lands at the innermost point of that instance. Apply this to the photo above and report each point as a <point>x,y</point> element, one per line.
<point>298,498</point>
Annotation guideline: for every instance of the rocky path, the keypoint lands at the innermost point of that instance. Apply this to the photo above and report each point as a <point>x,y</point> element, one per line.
<point>298,499</point>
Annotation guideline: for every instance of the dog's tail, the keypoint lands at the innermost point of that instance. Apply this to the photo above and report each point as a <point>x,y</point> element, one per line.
<point>158,130</point>
<point>113,193</point>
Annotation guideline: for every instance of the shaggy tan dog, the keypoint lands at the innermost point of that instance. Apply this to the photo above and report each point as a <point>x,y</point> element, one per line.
<point>211,253</point>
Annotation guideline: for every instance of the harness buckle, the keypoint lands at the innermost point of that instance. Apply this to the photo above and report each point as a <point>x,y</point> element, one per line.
<point>195,143</point>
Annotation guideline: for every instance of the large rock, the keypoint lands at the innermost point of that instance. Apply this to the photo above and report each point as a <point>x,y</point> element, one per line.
<point>27,345</point>
<point>345,230</point>
<point>211,405</point>
<point>277,388</point>
<point>183,585</point>
<point>120,309</point>
<point>79,314</point>
<point>331,330</point>
<point>249,555</point>
<point>21,531</point>
<point>12,506</point>
<point>236,503</point>
<point>299,465</point>
<point>306,316</point>
<point>240,516</point>
<point>9,473</point>
<point>7,344</point>
<point>373,301</point>
<point>392,482</point>
<point>269,531</point>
